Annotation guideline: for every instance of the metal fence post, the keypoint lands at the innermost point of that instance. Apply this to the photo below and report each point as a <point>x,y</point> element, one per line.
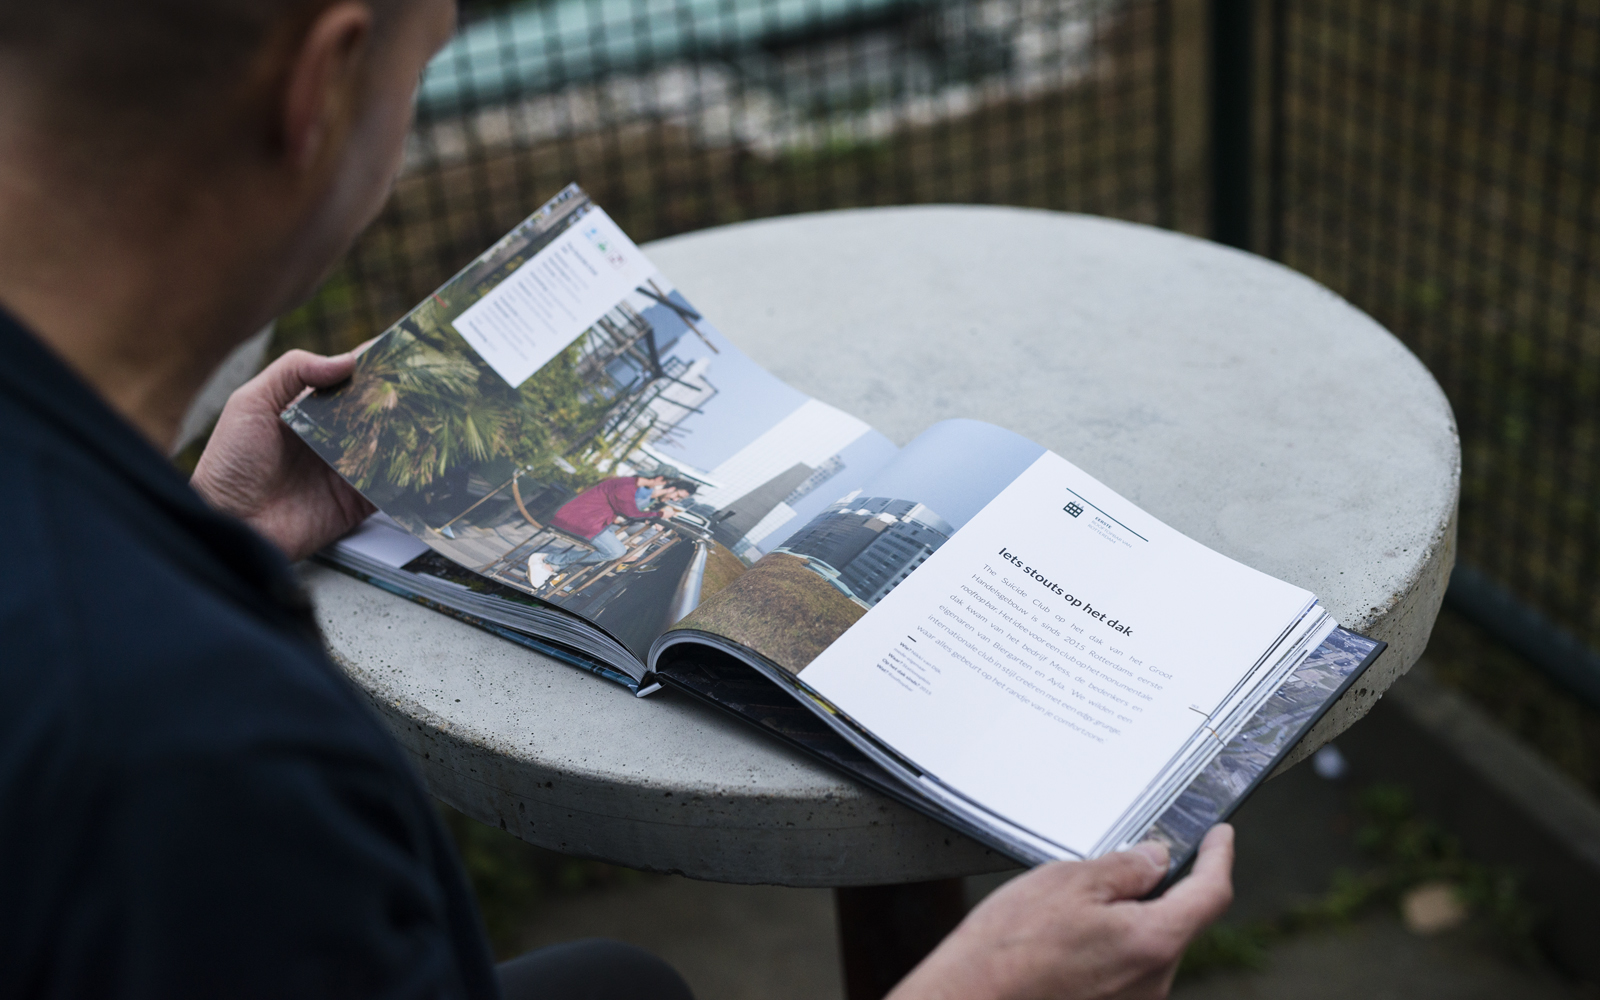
<point>1232,120</point>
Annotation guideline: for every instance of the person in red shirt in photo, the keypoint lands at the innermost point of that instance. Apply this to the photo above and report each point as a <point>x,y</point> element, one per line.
<point>593,515</point>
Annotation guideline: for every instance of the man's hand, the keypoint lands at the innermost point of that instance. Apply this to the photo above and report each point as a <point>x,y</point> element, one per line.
<point>258,470</point>
<point>1076,930</point>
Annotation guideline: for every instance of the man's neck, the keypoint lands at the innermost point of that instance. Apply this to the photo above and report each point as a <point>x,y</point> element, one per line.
<point>129,284</point>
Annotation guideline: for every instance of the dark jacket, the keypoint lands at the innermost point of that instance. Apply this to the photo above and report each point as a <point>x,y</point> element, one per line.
<point>193,800</point>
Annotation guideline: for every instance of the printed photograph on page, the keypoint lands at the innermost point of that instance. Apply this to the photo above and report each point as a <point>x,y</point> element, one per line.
<point>823,576</point>
<point>1271,731</point>
<point>640,468</point>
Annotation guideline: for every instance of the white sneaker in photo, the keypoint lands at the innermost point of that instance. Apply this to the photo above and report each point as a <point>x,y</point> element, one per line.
<point>539,570</point>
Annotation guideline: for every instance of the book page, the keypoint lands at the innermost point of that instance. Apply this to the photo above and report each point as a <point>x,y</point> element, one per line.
<point>560,419</point>
<point>1055,654</point>
<point>533,313</point>
<point>862,541</point>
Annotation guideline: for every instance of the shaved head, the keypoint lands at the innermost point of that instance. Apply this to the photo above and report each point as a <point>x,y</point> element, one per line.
<point>134,73</point>
<point>176,173</point>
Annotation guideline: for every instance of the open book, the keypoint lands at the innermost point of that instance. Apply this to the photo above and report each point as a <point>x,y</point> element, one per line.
<point>569,454</point>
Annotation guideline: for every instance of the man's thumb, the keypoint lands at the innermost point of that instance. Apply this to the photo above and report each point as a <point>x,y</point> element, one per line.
<point>281,382</point>
<point>1127,874</point>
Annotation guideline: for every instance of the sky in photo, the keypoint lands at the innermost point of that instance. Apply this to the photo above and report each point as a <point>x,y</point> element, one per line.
<point>749,400</point>
<point>861,456</point>
<point>955,467</point>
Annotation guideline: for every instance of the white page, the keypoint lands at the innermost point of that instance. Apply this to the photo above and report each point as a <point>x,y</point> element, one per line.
<point>1049,665</point>
<point>548,302</point>
<point>383,541</point>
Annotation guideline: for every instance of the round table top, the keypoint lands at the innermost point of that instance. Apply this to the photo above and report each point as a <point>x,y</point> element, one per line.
<point>1238,401</point>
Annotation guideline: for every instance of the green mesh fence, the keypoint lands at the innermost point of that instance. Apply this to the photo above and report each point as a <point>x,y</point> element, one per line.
<point>1436,163</point>
<point>682,114</point>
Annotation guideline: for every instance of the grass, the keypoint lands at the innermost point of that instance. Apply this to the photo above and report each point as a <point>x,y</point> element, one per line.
<point>722,568</point>
<point>780,609</point>
<point>511,878</point>
<point>1404,851</point>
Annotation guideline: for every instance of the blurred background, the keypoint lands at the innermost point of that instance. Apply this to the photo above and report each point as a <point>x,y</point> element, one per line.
<point>1433,162</point>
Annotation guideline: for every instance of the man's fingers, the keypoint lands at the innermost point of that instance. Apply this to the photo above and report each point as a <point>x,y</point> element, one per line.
<point>1126,874</point>
<point>1205,894</point>
<point>286,378</point>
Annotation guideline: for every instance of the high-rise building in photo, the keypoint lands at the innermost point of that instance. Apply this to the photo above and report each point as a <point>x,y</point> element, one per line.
<point>866,546</point>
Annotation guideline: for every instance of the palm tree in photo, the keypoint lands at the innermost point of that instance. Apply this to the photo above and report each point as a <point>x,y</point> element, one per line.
<point>416,408</point>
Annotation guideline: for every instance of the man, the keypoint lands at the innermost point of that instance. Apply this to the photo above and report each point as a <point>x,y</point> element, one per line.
<point>594,514</point>
<point>647,489</point>
<point>193,801</point>
<point>674,493</point>
<point>657,478</point>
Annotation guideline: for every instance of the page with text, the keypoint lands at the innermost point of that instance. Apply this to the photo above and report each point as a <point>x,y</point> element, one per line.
<point>1057,653</point>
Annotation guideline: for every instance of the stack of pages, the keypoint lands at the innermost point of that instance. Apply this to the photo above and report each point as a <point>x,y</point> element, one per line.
<point>567,453</point>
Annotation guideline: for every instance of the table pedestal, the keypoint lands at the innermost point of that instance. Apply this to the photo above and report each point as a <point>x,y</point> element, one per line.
<point>885,930</point>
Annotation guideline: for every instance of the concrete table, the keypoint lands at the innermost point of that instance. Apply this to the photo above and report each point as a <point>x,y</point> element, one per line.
<point>1238,401</point>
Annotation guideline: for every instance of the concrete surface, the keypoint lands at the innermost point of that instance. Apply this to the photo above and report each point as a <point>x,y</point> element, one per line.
<point>1238,401</point>
<point>567,761</point>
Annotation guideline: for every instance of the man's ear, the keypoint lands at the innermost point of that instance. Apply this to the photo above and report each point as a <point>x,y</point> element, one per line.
<point>324,80</point>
